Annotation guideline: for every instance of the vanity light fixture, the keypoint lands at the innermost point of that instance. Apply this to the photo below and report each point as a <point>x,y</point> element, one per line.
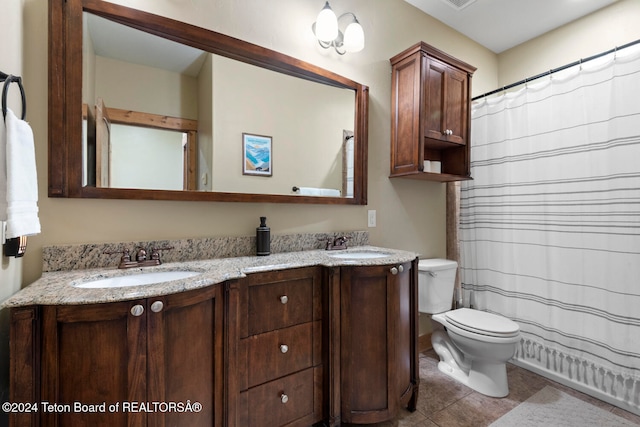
<point>329,35</point>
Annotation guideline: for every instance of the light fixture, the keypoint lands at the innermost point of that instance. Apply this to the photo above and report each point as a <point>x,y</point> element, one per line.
<point>329,35</point>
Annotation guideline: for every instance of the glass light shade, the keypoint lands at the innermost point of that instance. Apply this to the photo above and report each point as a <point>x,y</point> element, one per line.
<point>326,24</point>
<point>354,37</point>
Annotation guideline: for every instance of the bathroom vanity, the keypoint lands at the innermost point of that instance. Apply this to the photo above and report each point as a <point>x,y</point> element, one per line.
<point>295,339</point>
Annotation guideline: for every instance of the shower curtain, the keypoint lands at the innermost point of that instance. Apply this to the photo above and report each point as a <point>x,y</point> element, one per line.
<point>550,224</point>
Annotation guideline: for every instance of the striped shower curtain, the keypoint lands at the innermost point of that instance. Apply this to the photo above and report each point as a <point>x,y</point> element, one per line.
<point>550,225</point>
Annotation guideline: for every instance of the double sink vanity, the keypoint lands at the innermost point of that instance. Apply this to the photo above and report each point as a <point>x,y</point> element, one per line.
<point>291,339</point>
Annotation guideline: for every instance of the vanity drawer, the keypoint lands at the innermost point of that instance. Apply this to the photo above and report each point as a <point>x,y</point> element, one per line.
<point>281,300</point>
<point>292,400</point>
<point>278,353</point>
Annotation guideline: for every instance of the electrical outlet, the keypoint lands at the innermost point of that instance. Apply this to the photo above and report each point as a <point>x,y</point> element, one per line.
<point>371,218</point>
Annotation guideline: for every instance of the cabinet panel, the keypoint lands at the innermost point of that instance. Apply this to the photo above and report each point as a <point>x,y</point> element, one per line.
<point>457,106</point>
<point>93,354</point>
<point>368,335</point>
<point>24,363</point>
<point>435,102</point>
<point>280,302</point>
<point>268,357</point>
<point>446,104</point>
<point>405,126</point>
<point>378,344</point>
<point>185,357</point>
<point>283,401</point>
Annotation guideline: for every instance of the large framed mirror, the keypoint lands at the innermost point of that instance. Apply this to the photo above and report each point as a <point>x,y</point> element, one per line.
<point>146,107</point>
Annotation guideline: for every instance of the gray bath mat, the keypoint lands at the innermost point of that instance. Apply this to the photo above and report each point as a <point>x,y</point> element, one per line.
<point>551,407</point>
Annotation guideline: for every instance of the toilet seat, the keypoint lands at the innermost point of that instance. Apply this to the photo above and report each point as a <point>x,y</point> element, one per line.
<point>483,323</point>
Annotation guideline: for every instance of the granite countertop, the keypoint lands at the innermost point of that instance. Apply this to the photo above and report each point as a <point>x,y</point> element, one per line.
<point>56,288</point>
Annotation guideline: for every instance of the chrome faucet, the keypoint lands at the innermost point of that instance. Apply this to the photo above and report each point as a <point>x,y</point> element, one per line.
<point>141,259</point>
<point>337,243</point>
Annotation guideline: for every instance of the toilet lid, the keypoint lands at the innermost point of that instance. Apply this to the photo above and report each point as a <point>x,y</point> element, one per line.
<point>481,322</point>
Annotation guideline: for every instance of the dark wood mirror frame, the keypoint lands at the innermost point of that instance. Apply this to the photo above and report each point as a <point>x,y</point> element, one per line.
<point>65,100</point>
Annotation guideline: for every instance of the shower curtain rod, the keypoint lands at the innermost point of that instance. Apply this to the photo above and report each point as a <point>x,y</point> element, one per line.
<point>555,70</point>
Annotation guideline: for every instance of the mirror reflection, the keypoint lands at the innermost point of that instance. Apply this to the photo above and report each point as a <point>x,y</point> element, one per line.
<point>161,115</point>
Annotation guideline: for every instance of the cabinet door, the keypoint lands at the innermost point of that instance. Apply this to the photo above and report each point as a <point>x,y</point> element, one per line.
<point>93,355</point>
<point>378,342</point>
<point>406,335</point>
<point>406,135</point>
<point>185,358</point>
<point>446,102</point>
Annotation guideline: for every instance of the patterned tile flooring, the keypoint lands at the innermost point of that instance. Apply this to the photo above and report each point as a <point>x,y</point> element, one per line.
<point>444,402</point>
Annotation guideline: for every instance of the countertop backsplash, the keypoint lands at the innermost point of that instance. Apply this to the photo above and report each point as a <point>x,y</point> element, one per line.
<point>87,256</point>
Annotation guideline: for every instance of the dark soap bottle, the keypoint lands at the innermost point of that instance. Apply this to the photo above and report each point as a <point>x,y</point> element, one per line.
<point>263,238</point>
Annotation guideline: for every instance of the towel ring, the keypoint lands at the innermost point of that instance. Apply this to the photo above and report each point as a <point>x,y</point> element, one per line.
<point>5,89</point>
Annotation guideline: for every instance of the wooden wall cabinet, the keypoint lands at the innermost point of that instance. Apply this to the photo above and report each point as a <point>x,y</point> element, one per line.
<point>430,114</point>
<point>378,342</point>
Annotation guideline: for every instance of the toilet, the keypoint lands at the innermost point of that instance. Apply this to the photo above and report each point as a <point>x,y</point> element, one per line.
<point>473,346</point>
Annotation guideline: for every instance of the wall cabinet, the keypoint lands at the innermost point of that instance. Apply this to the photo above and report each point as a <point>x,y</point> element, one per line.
<point>430,114</point>
<point>378,343</point>
<point>295,347</point>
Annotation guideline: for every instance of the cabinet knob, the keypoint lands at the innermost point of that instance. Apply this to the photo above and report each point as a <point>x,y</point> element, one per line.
<point>284,348</point>
<point>157,306</point>
<point>400,268</point>
<point>394,270</point>
<point>137,310</point>
<point>284,398</point>
<point>284,299</point>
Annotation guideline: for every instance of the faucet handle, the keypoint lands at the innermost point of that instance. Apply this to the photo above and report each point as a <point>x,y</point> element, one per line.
<point>155,252</point>
<point>126,256</point>
<point>125,259</point>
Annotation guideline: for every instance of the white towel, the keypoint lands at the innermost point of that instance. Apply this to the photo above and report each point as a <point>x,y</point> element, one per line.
<point>313,191</point>
<point>18,178</point>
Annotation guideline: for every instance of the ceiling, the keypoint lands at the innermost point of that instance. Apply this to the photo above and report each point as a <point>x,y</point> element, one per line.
<point>499,25</point>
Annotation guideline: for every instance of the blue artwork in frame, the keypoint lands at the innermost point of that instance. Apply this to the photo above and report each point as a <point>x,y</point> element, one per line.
<point>256,155</point>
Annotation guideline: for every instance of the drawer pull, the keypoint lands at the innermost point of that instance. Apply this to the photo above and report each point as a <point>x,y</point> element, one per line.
<point>157,306</point>
<point>394,270</point>
<point>284,299</point>
<point>400,268</point>
<point>284,348</point>
<point>137,310</point>
<point>284,398</point>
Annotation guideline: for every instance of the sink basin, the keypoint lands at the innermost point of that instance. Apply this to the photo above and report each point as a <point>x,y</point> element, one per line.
<point>138,279</point>
<point>358,255</point>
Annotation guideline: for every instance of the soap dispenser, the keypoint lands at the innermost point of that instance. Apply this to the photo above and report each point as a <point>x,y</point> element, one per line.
<point>263,238</point>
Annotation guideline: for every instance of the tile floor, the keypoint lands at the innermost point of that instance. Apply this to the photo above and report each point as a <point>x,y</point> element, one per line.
<point>444,402</point>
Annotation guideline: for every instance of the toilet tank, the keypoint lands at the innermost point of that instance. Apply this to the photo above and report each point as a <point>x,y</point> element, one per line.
<point>436,280</point>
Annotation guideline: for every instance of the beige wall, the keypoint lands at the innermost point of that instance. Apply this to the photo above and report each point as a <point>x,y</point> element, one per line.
<point>305,119</point>
<point>613,26</point>
<point>410,214</point>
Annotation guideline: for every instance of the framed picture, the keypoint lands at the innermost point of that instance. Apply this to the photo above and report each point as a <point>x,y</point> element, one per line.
<point>256,155</point>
